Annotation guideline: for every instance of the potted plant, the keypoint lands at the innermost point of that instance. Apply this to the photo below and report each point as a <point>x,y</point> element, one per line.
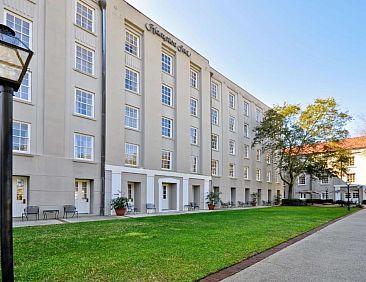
<point>212,198</point>
<point>277,199</point>
<point>120,205</point>
<point>254,197</point>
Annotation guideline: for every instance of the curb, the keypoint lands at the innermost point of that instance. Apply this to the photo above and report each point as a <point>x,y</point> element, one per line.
<point>235,268</point>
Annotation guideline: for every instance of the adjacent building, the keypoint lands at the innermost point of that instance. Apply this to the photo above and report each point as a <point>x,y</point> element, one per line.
<point>335,188</point>
<point>161,127</point>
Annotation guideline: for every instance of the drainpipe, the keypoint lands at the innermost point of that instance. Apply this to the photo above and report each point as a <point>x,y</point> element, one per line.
<point>102,5</point>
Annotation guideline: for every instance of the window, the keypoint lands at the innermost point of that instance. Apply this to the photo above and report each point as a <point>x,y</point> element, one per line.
<point>24,91</point>
<point>131,117</point>
<point>214,167</point>
<point>259,155</point>
<point>246,130</point>
<point>324,195</point>
<point>214,90</point>
<point>277,176</point>
<point>129,191</point>
<point>214,116</point>
<point>166,95</point>
<point>258,115</point>
<point>84,60</point>
<point>194,164</point>
<point>302,196</point>
<point>269,176</point>
<point>232,123</point>
<point>83,147</point>
<point>232,101</point>
<point>302,179</point>
<point>214,142</point>
<point>22,28</point>
<point>269,159</point>
<point>258,174</point>
<point>131,154</point>
<point>194,137</point>
<point>231,147</point>
<point>246,172</point>
<point>166,63</point>
<point>84,16</point>
<point>21,137</point>
<point>351,161</point>
<point>193,106</point>
<point>166,127</point>
<point>194,79</point>
<point>84,103</point>
<point>246,151</point>
<point>324,179</point>
<point>246,109</point>
<point>231,170</point>
<point>132,43</point>
<point>351,177</point>
<point>132,80</point>
<point>166,159</point>
<point>164,192</point>
<point>355,194</point>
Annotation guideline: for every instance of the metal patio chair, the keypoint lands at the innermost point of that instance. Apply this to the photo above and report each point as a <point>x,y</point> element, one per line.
<point>31,210</point>
<point>131,208</point>
<point>70,209</point>
<point>150,206</point>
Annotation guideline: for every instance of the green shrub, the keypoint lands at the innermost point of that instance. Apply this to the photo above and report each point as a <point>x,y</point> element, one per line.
<point>293,202</point>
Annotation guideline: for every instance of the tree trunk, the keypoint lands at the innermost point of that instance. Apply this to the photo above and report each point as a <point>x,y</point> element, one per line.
<point>311,186</point>
<point>290,191</point>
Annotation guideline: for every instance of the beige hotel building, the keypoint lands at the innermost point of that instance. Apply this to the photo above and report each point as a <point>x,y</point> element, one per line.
<point>113,104</point>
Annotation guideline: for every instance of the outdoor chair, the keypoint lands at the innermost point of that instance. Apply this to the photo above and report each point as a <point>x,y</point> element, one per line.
<point>247,204</point>
<point>232,204</point>
<point>150,207</point>
<point>131,208</point>
<point>240,204</point>
<point>194,206</point>
<point>224,205</point>
<point>31,210</point>
<point>70,209</point>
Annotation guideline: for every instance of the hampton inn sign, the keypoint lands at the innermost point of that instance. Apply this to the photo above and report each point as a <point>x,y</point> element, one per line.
<point>152,28</point>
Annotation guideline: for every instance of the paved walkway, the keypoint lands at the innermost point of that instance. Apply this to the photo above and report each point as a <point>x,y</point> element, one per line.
<point>335,253</point>
<point>17,222</point>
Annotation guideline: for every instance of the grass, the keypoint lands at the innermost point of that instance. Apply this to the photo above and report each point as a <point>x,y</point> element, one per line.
<point>165,248</point>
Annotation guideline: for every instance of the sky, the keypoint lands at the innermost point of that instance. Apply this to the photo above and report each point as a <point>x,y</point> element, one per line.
<point>278,50</point>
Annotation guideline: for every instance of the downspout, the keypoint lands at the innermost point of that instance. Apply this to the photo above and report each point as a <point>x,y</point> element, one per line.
<point>212,189</point>
<point>102,5</point>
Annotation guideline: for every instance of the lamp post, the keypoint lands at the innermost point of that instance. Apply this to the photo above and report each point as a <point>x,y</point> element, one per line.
<point>349,195</point>
<point>14,60</point>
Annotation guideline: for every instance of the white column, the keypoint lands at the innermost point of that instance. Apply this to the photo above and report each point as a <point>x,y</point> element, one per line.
<point>150,189</point>
<point>206,189</point>
<point>337,192</point>
<point>185,191</point>
<point>116,185</point>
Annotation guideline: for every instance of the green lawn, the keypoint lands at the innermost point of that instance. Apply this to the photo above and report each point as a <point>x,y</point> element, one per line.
<point>164,248</point>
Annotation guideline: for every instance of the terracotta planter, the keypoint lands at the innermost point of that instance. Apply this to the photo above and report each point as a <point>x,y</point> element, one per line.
<point>253,204</point>
<point>120,211</point>
<point>211,206</point>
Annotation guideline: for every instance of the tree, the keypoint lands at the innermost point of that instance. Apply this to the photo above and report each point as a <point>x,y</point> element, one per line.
<point>304,140</point>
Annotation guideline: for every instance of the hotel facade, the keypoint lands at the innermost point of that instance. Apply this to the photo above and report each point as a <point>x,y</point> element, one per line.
<point>113,104</point>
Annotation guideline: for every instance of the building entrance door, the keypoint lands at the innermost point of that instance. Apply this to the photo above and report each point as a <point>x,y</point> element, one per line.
<point>20,187</point>
<point>165,200</point>
<point>82,195</point>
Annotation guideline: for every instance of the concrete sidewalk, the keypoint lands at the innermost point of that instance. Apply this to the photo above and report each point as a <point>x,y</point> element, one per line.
<point>335,253</point>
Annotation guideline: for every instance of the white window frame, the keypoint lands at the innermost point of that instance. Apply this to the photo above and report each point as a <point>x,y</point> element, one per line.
<point>193,106</point>
<point>92,148</point>
<point>216,147</point>
<point>258,115</point>
<point>258,174</point>
<point>194,164</point>
<point>232,145</point>
<point>214,167</point>
<point>351,177</point>
<point>170,160</point>
<point>137,82</point>
<point>215,90</point>
<point>193,78</point>
<point>75,102</point>
<point>269,176</point>
<point>246,151</point>
<point>232,102</point>
<point>93,59</point>
<point>135,36</point>
<point>25,20</point>
<point>137,118</point>
<point>170,129</point>
<point>246,107</point>
<point>213,110</point>
<point>258,155</point>
<point>28,138</point>
<point>246,130</point>
<point>29,87</point>
<point>170,90</point>
<point>93,15</point>
<point>246,172</point>
<point>232,172</point>
<point>168,65</point>
<point>269,159</point>
<point>137,147</point>
<point>322,178</point>
<point>232,123</point>
<point>194,135</point>
<point>300,183</point>
<point>351,161</point>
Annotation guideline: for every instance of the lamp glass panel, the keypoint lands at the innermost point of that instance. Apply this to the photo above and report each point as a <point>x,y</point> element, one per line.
<point>12,61</point>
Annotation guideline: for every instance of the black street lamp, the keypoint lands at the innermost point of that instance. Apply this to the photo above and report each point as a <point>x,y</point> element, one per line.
<point>349,195</point>
<point>14,60</point>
